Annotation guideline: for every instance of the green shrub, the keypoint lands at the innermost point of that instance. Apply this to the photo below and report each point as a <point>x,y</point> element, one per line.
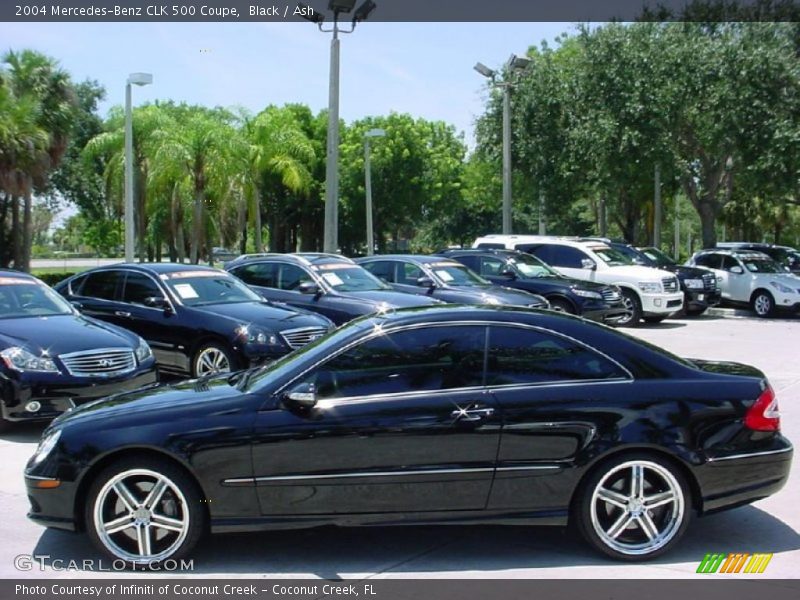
<point>52,279</point>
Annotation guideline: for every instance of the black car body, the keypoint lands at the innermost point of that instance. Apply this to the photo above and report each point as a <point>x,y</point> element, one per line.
<point>52,358</point>
<point>327,284</point>
<point>699,286</point>
<point>444,279</point>
<point>454,414</point>
<point>522,271</point>
<point>783,255</point>
<point>198,320</point>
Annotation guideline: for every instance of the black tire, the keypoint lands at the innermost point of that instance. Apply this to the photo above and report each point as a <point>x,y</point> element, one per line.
<point>695,312</point>
<point>561,305</point>
<point>763,304</point>
<point>634,306</point>
<point>654,320</point>
<point>201,368</point>
<point>180,502</point>
<point>597,516</point>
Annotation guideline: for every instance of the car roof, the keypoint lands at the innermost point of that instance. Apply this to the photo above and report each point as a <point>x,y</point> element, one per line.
<point>420,258</point>
<point>740,253</point>
<point>477,251</point>
<point>153,268</point>
<point>297,258</point>
<point>17,274</point>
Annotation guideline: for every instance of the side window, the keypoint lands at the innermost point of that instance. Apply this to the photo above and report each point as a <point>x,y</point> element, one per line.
<point>492,246</point>
<point>491,267</point>
<point>138,287</point>
<point>710,261</point>
<point>102,285</point>
<point>469,261</point>
<point>382,269</point>
<point>543,252</point>
<point>567,257</point>
<point>728,262</point>
<point>261,274</point>
<point>429,359</point>
<point>291,276</point>
<point>408,273</point>
<point>521,356</point>
<point>75,285</point>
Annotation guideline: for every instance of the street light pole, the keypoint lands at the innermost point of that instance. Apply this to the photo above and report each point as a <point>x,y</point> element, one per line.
<point>515,64</point>
<point>130,229</point>
<point>368,187</point>
<point>337,7</point>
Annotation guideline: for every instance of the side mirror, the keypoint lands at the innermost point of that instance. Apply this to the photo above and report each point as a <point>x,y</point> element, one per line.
<point>303,395</point>
<point>425,281</point>
<point>737,270</point>
<point>156,302</point>
<point>508,274</point>
<point>588,263</point>
<point>308,287</point>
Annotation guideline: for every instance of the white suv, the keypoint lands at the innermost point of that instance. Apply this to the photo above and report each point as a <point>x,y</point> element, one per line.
<point>649,294</point>
<point>751,278</point>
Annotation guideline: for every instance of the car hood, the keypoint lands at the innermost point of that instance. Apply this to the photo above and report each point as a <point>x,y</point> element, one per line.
<point>685,272</point>
<point>787,279</point>
<point>265,314</point>
<point>392,298</point>
<point>478,295</point>
<point>63,333</point>
<point>568,282</point>
<point>636,272</point>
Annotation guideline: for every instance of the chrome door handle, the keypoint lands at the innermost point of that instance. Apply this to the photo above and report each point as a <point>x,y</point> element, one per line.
<point>122,313</point>
<point>472,414</point>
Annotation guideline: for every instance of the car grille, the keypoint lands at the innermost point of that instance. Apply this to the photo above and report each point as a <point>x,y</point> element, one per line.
<point>611,296</point>
<point>709,281</point>
<point>99,363</point>
<point>670,284</point>
<point>297,338</point>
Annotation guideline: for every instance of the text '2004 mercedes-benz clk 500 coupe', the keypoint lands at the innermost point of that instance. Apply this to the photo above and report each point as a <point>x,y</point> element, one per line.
<point>444,414</point>
<point>52,358</point>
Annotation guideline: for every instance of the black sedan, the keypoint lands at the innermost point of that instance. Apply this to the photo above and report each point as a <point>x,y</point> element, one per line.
<point>445,279</point>
<point>522,271</point>
<point>328,284</point>
<point>52,358</point>
<point>198,320</point>
<point>456,414</point>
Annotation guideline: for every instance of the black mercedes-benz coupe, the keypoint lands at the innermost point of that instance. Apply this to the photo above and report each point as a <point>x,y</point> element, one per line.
<point>446,414</point>
<point>198,320</point>
<point>52,358</point>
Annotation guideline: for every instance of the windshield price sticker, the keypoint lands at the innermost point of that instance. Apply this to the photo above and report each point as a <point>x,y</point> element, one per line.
<point>335,267</point>
<point>332,278</point>
<point>444,275</point>
<point>190,274</point>
<point>446,264</point>
<point>186,291</point>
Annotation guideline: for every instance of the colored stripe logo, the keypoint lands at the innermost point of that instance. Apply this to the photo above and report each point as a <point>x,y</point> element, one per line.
<point>734,562</point>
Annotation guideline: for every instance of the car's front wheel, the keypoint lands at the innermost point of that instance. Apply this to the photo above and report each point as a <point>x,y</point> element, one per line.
<point>634,307</point>
<point>144,511</point>
<point>213,358</point>
<point>634,507</point>
<point>763,304</point>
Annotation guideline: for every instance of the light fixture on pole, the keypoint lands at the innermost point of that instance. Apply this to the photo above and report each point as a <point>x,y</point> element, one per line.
<point>337,7</point>
<point>515,64</point>
<point>372,133</point>
<point>133,79</point>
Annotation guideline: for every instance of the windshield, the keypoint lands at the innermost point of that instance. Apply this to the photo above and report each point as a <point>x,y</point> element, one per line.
<point>20,298</point>
<point>196,288</point>
<point>350,278</point>
<point>530,266</point>
<point>451,273</point>
<point>658,257</point>
<point>762,265</point>
<point>613,258</point>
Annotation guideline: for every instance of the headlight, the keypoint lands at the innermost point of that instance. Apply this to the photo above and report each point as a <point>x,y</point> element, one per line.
<point>650,287</point>
<point>256,336</point>
<point>46,446</point>
<point>784,289</point>
<point>20,359</point>
<point>143,351</point>
<point>491,300</point>
<point>694,284</point>
<point>587,294</point>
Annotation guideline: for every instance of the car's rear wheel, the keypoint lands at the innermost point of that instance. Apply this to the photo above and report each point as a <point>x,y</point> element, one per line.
<point>654,320</point>
<point>211,359</point>
<point>559,305</point>
<point>144,511</point>
<point>763,304</point>
<point>634,307</point>
<point>634,507</point>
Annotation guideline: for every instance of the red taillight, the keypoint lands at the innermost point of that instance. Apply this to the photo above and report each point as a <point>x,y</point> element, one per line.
<point>764,415</point>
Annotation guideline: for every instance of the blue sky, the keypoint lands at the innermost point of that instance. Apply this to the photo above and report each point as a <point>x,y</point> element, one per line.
<point>424,69</point>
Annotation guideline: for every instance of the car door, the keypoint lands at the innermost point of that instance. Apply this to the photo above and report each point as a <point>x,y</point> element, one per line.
<point>738,284</point>
<point>567,260</point>
<point>158,325</point>
<point>552,391</point>
<point>406,275</point>
<point>99,296</point>
<point>402,423</point>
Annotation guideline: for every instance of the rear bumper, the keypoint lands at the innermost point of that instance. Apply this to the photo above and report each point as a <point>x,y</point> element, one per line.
<point>736,479</point>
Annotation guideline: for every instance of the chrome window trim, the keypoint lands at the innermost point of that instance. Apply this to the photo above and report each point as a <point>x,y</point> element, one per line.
<point>164,288</point>
<point>749,455</point>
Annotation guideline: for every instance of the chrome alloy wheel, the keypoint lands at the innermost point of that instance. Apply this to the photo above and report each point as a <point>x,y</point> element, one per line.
<point>211,360</point>
<point>637,507</point>
<point>141,516</point>
<point>762,305</point>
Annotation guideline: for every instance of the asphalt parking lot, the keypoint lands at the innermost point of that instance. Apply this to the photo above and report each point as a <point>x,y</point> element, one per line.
<point>769,526</point>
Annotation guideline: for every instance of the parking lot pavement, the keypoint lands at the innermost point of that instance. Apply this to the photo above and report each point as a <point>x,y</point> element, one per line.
<point>769,526</point>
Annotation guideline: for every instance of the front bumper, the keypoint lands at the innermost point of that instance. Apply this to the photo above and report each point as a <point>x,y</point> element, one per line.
<point>701,299</point>
<point>661,304</point>
<point>51,507</point>
<point>605,314</point>
<point>57,396</point>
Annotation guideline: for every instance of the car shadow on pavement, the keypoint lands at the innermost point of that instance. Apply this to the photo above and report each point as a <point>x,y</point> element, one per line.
<point>339,553</point>
<point>662,325</point>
